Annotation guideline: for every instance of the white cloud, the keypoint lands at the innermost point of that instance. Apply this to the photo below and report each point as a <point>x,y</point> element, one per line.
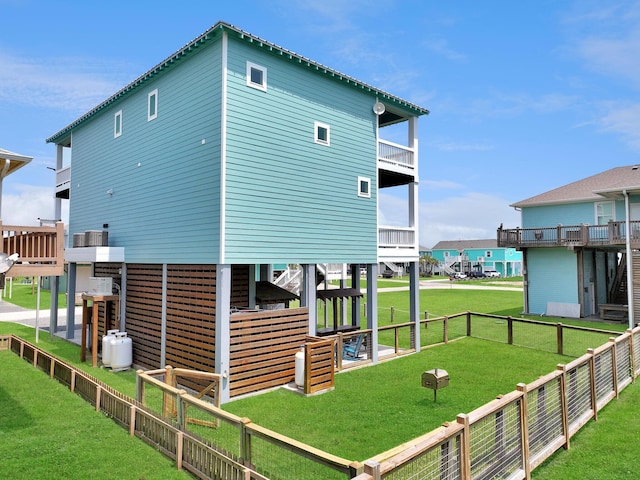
<point>440,185</point>
<point>67,84</point>
<point>28,205</point>
<point>471,216</point>
<point>441,47</point>
<point>624,121</point>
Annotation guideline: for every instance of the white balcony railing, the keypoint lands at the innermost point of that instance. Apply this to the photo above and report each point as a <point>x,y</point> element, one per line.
<point>395,242</point>
<point>63,179</point>
<point>394,156</point>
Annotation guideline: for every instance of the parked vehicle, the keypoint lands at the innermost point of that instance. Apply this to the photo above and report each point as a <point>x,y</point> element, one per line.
<point>492,273</point>
<point>388,273</point>
<point>458,275</point>
<point>477,275</point>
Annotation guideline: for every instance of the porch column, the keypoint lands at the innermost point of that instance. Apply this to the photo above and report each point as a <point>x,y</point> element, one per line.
<point>71,301</point>
<point>414,300</point>
<point>223,328</point>
<point>355,301</point>
<point>308,295</point>
<point>252,283</point>
<point>55,281</point>
<point>372,308</point>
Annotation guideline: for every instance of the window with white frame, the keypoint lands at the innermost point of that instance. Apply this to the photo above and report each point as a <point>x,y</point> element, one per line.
<point>152,105</point>
<point>256,76</point>
<point>364,187</point>
<point>322,133</point>
<point>488,254</point>
<point>117,124</point>
<point>604,212</point>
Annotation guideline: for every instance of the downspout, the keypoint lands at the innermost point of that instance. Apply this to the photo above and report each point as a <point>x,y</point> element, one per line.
<point>630,286</point>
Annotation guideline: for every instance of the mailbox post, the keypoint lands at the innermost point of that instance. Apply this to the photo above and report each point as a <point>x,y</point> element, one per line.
<point>435,379</point>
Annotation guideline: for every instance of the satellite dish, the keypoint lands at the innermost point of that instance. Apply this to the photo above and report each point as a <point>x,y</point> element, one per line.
<point>7,261</point>
<point>378,108</point>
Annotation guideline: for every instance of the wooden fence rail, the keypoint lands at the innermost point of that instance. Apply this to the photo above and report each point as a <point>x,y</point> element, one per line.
<point>512,435</point>
<point>506,438</point>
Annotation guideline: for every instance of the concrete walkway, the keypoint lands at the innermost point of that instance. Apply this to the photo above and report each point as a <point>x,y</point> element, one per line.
<point>24,316</point>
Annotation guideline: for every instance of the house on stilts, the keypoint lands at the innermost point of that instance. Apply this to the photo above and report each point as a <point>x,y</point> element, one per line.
<point>231,155</point>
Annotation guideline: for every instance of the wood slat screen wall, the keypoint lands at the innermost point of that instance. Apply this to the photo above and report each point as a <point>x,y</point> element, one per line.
<point>191,318</point>
<point>144,313</point>
<point>263,348</point>
<point>240,286</point>
<point>112,270</point>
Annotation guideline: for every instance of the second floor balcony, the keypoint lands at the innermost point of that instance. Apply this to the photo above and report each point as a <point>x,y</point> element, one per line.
<point>612,234</point>
<point>398,243</point>
<point>396,164</point>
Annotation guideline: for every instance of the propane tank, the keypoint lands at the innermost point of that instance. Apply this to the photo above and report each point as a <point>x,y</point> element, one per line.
<point>106,347</point>
<point>121,354</point>
<point>300,368</point>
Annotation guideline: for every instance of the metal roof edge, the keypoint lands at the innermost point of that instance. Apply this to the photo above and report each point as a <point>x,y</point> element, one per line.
<point>205,37</point>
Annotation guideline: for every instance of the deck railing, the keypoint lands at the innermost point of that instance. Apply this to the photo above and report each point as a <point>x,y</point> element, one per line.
<point>41,247</point>
<point>394,155</point>
<point>396,238</point>
<point>613,233</point>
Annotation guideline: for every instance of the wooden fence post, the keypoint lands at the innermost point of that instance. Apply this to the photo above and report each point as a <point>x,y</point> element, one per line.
<point>564,405</point>
<point>132,420</point>
<point>445,330</point>
<point>510,330</point>
<point>592,383</point>
<point>245,441</point>
<point>468,323</point>
<point>465,446</point>
<point>560,336</point>
<point>524,430</point>
<point>372,468</point>
<point>614,364</point>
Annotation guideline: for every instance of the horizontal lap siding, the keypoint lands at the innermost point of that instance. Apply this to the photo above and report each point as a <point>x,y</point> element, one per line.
<point>164,174</point>
<point>300,196</point>
<point>144,313</point>
<point>552,277</point>
<point>263,348</point>
<point>191,318</point>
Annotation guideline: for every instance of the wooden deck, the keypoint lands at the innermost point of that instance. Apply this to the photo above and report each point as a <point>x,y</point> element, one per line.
<point>41,249</point>
<point>613,234</point>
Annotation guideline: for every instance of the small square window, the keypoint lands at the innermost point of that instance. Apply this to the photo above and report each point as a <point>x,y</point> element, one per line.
<point>488,253</point>
<point>364,187</point>
<point>256,76</point>
<point>322,133</point>
<point>117,124</point>
<point>152,102</point>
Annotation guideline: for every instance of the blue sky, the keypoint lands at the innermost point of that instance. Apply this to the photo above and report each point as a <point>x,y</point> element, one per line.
<point>524,96</point>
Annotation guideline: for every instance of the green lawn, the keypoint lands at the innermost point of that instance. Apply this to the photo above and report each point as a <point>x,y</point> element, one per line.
<point>25,295</point>
<point>371,409</point>
<point>47,432</point>
<point>386,404</point>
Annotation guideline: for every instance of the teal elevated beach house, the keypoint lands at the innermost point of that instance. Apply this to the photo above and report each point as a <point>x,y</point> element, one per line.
<point>230,156</point>
<point>580,247</point>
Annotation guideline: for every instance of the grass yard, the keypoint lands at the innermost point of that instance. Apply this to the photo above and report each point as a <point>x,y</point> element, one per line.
<point>377,408</point>
<point>25,295</point>
<point>47,432</point>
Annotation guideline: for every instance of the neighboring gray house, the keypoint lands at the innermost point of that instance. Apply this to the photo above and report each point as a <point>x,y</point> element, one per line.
<point>579,245</point>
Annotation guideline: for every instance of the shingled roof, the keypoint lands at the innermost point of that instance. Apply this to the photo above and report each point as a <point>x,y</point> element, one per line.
<point>619,178</point>
<point>465,244</point>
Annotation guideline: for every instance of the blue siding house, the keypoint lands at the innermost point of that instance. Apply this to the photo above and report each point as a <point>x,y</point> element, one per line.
<point>579,244</point>
<point>476,256</point>
<point>231,155</point>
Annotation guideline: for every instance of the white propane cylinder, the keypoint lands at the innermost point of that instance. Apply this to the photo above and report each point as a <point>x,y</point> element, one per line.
<point>121,353</point>
<point>300,368</point>
<point>106,347</point>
